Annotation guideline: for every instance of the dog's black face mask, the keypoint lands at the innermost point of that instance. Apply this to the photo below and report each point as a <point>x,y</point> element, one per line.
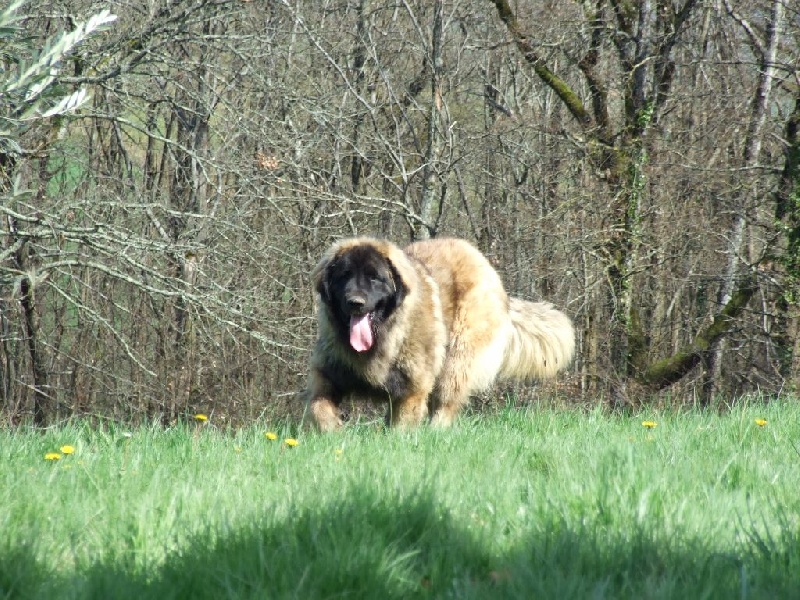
<point>362,289</point>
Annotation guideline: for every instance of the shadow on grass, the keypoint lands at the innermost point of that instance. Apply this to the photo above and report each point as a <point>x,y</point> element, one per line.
<point>21,575</point>
<point>405,545</point>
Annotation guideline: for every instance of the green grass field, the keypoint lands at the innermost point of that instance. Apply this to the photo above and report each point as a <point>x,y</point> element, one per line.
<point>523,504</point>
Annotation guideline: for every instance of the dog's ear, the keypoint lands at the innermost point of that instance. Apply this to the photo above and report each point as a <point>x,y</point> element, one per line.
<point>400,288</point>
<point>320,277</point>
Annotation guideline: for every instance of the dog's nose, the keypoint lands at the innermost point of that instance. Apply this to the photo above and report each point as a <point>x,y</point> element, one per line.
<point>356,302</point>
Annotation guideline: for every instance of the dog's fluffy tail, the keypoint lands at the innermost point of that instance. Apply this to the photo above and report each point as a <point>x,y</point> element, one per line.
<point>542,341</point>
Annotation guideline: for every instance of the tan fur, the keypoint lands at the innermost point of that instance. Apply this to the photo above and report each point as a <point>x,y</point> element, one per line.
<point>455,332</point>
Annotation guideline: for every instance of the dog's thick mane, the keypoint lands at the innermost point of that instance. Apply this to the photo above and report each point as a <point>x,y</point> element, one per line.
<point>391,334</point>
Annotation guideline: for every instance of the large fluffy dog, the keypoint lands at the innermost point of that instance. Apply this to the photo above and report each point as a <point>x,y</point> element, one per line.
<point>422,328</point>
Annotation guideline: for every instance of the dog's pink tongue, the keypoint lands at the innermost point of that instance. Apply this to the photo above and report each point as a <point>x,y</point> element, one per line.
<point>360,333</point>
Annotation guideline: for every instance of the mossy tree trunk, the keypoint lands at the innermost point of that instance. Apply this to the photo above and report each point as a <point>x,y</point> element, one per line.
<point>619,155</point>
<point>663,373</point>
<point>786,330</point>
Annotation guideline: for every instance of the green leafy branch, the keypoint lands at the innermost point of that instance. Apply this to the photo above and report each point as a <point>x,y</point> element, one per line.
<point>28,89</point>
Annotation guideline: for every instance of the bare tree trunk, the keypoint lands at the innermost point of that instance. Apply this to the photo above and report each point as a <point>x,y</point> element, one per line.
<point>7,362</point>
<point>359,60</point>
<point>750,156</point>
<point>10,355</point>
<point>192,107</point>
<point>27,301</point>
<point>713,360</point>
<point>17,254</point>
<point>432,200</point>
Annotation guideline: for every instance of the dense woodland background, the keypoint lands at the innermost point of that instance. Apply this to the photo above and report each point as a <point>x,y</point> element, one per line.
<point>636,162</point>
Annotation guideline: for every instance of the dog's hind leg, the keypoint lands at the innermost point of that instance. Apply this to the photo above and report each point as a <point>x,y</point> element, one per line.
<point>473,360</point>
<point>454,383</point>
<point>453,390</point>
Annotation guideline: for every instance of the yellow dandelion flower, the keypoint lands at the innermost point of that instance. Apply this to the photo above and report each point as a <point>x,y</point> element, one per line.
<point>52,456</point>
<point>291,442</point>
<point>67,449</point>
<point>271,436</point>
<point>649,424</point>
<point>338,452</point>
<point>761,422</point>
<point>201,417</point>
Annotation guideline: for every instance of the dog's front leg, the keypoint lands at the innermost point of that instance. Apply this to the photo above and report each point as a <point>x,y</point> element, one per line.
<point>323,403</point>
<point>410,411</point>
